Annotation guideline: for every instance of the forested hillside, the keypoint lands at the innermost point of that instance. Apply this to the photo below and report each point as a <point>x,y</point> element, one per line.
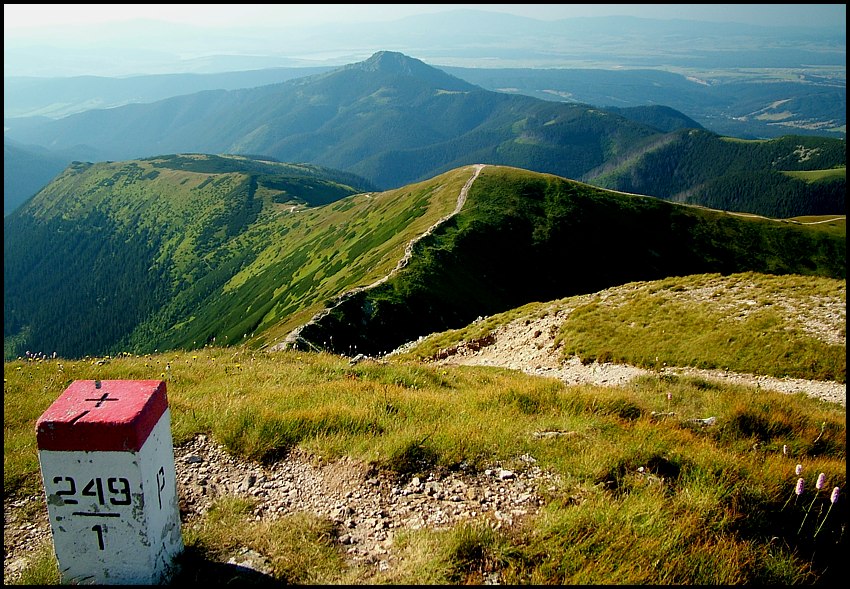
<point>106,247</point>
<point>698,167</point>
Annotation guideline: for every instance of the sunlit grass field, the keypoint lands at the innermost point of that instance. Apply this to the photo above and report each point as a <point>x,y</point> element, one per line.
<point>815,175</point>
<point>719,508</point>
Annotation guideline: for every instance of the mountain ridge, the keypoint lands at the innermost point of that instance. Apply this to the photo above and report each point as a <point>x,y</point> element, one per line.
<point>394,120</point>
<point>439,292</point>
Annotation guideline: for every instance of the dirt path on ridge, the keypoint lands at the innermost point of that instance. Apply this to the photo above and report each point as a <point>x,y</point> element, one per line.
<point>295,334</point>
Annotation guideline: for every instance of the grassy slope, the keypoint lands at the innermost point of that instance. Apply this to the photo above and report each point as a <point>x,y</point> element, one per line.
<point>326,252</point>
<point>209,248</point>
<point>836,225</point>
<point>815,175</point>
<point>203,254</point>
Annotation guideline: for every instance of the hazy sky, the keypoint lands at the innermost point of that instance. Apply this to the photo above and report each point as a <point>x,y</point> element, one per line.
<point>24,18</point>
<point>136,39</point>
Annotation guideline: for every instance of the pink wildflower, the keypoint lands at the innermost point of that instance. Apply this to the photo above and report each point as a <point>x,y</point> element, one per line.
<point>785,449</point>
<point>801,484</point>
<point>833,498</point>
<point>821,481</point>
<point>799,470</point>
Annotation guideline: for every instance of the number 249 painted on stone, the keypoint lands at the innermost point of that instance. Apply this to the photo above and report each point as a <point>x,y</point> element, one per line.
<point>117,487</point>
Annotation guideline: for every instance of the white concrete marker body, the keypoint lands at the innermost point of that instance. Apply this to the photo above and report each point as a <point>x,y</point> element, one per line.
<point>107,463</point>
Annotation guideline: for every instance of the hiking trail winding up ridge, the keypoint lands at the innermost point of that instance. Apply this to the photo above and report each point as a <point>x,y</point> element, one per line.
<point>295,334</point>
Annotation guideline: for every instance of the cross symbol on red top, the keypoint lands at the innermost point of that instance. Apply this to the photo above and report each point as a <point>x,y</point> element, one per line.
<point>100,400</point>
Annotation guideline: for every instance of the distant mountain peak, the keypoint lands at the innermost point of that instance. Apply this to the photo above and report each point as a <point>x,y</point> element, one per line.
<point>393,63</point>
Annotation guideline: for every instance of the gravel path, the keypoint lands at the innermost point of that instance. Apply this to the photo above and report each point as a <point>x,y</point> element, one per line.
<point>367,507</point>
<point>528,344</point>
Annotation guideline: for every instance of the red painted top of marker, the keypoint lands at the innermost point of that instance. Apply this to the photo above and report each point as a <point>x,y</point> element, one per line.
<point>102,416</point>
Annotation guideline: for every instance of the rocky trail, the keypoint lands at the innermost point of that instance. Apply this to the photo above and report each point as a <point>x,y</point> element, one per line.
<point>368,508</point>
<point>529,345</point>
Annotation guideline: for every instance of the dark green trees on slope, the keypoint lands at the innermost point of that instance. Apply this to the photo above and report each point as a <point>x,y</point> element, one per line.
<point>698,167</point>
